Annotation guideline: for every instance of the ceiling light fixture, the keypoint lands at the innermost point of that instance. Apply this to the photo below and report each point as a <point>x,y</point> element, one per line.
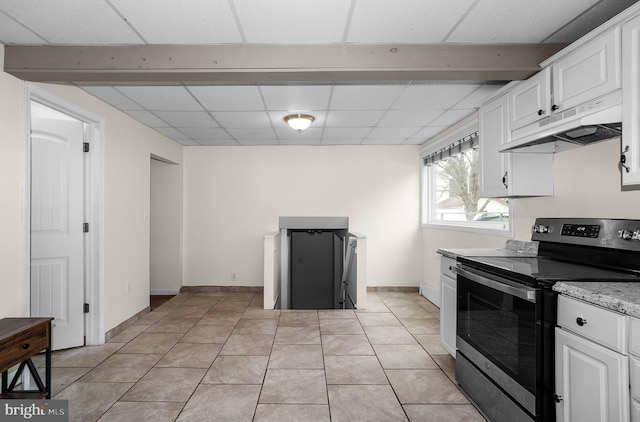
<point>299,121</point>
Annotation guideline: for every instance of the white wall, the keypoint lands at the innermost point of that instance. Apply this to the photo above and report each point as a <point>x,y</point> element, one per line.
<point>166,228</point>
<point>11,194</point>
<point>235,195</point>
<point>586,184</point>
<point>128,146</point>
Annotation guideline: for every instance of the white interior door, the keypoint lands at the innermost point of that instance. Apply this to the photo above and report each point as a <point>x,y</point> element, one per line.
<point>57,217</point>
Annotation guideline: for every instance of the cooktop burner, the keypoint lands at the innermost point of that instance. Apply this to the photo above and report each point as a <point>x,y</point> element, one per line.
<point>547,270</point>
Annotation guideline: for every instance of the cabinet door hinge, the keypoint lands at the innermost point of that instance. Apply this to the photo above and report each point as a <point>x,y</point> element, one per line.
<point>86,308</point>
<point>85,228</point>
<point>85,146</point>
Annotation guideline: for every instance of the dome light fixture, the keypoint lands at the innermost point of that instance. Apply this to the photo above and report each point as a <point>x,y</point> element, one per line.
<point>299,121</point>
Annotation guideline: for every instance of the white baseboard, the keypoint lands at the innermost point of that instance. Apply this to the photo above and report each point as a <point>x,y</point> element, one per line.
<point>430,293</point>
<point>169,292</point>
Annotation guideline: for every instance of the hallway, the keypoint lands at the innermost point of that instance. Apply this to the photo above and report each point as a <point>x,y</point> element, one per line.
<point>205,354</point>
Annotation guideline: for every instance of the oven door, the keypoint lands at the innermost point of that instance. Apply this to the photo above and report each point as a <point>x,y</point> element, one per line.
<point>498,329</point>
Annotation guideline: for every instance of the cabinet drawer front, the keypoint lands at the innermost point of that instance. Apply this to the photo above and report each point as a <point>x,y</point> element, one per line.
<point>601,325</point>
<point>447,266</point>
<point>28,344</point>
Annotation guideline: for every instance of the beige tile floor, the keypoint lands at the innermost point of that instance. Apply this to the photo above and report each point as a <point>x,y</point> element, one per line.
<point>220,357</point>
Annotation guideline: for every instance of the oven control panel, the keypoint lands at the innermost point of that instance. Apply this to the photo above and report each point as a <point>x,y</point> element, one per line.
<point>596,232</point>
<point>580,230</point>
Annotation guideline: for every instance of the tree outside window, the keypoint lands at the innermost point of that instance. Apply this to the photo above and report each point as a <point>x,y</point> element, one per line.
<point>456,192</point>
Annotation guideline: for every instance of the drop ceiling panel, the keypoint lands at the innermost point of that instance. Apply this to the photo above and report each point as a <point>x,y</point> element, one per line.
<point>409,21</point>
<point>293,21</point>
<point>147,118</point>
<point>78,22</point>
<point>228,98</point>
<point>246,119</point>
<point>392,133</point>
<point>296,98</point>
<point>497,21</point>
<point>409,112</point>
<point>113,96</point>
<point>362,97</point>
<point>450,117</point>
<point>12,32</point>
<point>243,135</point>
<point>175,134</point>
<point>408,117</point>
<point>161,97</point>
<point>187,118</point>
<point>355,118</point>
<point>197,133</point>
<point>346,133</point>
<point>432,96</point>
<point>195,22</point>
<point>475,98</point>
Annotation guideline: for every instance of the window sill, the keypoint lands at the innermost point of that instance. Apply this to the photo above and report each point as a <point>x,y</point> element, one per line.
<point>471,228</point>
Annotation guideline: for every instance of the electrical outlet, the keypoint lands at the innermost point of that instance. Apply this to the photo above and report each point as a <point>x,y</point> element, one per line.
<point>129,288</point>
<point>233,276</point>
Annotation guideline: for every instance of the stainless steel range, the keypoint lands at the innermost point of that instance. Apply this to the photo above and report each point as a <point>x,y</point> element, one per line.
<point>506,311</point>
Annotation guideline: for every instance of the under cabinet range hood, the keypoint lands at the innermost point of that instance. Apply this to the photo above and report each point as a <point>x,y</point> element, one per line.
<point>581,125</point>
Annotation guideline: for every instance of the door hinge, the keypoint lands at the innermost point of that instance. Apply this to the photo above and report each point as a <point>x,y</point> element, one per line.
<point>85,146</point>
<point>85,228</point>
<point>86,308</point>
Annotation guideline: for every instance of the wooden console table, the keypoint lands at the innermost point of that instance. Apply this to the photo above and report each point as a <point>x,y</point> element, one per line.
<point>20,340</point>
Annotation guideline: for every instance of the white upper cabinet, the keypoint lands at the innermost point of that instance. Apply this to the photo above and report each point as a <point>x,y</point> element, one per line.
<point>630,164</point>
<point>530,100</point>
<point>581,75</point>
<point>493,132</point>
<point>586,73</point>
<point>508,174</point>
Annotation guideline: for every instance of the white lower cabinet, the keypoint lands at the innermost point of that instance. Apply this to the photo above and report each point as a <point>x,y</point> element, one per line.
<point>592,381</point>
<point>634,367</point>
<point>448,304</point>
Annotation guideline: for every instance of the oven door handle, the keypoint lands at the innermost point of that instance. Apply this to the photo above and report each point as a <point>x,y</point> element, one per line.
<point>500,284</point>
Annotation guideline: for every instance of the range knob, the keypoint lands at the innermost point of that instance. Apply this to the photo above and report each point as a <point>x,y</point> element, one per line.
<point>625,234</point>
<point>539,228</point>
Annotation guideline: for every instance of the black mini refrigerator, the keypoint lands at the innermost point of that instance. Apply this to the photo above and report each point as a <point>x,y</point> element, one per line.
<point>316,260</point>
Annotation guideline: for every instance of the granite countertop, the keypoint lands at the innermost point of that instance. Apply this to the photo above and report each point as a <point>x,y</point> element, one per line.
<point>512,248</point>
<point>619,297</point>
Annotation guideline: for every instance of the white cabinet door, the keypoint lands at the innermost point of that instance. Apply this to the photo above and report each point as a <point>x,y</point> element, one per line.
<point>448,309</point>
<point>493,132</point>
<point>588,72</point>
<point>508,174</point>
<point>631,103</point>
<point>635,411</point>
<point>591,380</point>
<point>530,100</point>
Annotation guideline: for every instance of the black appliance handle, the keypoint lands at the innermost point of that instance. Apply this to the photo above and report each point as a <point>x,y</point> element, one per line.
<point>498,283</point>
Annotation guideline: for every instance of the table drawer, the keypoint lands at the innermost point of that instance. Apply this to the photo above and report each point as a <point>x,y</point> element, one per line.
<point>29,343</point>
<point>601,325</point>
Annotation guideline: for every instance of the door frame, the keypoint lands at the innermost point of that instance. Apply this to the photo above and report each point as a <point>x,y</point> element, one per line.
<point>93,207</point>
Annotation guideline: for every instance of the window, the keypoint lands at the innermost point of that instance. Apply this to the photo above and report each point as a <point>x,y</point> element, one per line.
<point>451,190</point>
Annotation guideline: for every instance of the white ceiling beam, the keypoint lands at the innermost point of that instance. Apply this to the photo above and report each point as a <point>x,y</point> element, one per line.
<point>275,63</point>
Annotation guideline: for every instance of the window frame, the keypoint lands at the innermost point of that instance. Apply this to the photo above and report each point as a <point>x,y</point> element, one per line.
<point>427,184</point>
